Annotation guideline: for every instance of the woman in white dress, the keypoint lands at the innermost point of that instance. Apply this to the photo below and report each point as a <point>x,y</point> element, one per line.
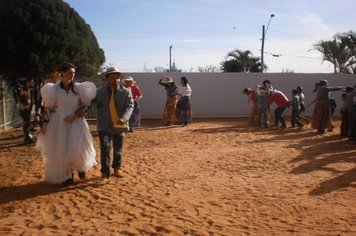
<point>65,141</point>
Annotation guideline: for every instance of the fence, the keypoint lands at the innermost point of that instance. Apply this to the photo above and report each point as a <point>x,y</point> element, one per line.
<point>9,115</point>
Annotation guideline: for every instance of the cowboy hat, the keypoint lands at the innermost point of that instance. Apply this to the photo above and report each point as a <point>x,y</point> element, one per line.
<point>167,80</point>
<point>129,78</point>
<point>111,70</point>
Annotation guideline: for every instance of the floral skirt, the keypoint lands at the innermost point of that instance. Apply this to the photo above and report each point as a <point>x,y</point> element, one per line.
<point>184,109</point>
<point>170,110</point>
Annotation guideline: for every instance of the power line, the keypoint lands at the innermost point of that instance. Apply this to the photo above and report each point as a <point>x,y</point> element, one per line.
<point>289,55</point>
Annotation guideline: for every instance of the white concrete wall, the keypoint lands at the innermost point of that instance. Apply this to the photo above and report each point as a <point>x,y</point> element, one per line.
<point>220,94</point>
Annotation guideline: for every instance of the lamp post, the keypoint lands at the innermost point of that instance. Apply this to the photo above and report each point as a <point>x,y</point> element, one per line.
<point>170,58</point>
<point>264,32</point>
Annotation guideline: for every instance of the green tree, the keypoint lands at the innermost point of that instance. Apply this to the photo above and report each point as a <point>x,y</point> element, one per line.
<point>340,51</point>
<point>39,35</point>
<point>241,61</point>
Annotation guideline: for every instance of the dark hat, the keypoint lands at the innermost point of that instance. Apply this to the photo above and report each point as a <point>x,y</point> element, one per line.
<point>246,90</point>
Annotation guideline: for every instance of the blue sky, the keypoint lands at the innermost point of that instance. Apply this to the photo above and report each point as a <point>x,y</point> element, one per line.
<point>136,34</point>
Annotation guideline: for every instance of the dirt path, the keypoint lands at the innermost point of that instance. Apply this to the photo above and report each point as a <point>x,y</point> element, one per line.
<point>215,177</point>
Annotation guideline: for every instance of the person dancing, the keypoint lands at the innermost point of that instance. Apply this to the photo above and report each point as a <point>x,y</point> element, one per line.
<point>169,115</point>
<point>184,105</point>
<point>135,119</point>
<point>65,141</point>
<point>252,96</point>
<point>321,119</point>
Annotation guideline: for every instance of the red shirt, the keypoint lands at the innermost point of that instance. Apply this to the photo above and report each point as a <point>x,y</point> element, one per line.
<point>253,97</point>
<point>136,92</point>
<point>279,98</point>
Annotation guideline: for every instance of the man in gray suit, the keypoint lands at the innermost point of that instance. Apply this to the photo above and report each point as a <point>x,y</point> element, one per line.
<point>112,97</point>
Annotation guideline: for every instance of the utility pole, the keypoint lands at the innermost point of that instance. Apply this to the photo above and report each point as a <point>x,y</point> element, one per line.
<point>170,58</point>
<point>263,46</point>
<point>264,32</point>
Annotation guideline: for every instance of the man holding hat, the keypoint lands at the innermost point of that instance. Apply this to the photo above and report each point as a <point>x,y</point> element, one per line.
<point>114,105</point>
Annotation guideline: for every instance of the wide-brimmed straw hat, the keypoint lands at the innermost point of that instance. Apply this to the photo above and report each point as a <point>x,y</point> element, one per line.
<point>129,79</point>
<point>323,82</point>
<point>111,70</point>
<point>167,80</point>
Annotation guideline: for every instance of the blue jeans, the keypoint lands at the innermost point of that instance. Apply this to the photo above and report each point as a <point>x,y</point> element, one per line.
<point>105,148</point>
<point>262,116</point>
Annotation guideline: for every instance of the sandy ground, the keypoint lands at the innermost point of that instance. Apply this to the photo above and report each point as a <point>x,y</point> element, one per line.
<point>215,177</point>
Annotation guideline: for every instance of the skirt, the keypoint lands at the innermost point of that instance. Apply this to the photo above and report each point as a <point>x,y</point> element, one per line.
<point>321,118</point>
<point>66,148</point>
<point>170,109</point>
<point>135,118</point>
<point>184,109</point>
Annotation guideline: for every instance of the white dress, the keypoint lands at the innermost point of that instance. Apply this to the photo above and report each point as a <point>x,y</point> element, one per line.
<point>66,147</point>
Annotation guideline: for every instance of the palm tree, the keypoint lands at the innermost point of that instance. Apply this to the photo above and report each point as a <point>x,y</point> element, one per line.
<point>340,52</point>
<point>241,61</point>
<point>349,39</point>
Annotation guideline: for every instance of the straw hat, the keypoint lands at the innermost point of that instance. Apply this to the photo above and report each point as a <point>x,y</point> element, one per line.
<point>323,82</point>
<point>129,78</point>
<point>111,70</point>
<point>167,80</point>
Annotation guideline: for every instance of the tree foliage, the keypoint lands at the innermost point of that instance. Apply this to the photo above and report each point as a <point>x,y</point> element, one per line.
<point>340,51</point>
<point>241,61</point>
<point>39,35</point>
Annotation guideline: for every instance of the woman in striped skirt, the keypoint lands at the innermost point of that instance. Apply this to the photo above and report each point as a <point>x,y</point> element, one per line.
<point>184,105</point>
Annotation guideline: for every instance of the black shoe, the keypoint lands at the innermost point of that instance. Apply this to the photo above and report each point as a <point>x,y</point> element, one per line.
<point>81,174</point>
<point>68,182</point>
<point>28,140</point>
<point>321,131</point>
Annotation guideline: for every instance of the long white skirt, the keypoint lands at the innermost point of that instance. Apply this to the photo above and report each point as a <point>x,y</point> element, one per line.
<point>66,148</point>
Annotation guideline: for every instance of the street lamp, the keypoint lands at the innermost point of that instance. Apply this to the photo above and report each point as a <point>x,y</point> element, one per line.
<point>264,32</point>
<point>170,58</point>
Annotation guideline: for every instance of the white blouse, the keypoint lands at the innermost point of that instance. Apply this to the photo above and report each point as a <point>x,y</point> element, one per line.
<point>184,91</point>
